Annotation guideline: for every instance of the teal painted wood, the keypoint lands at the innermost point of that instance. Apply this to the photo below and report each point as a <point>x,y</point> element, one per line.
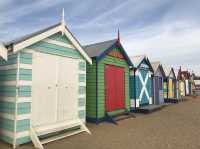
<point>138,86</point>
<point>82,77</point>
<point>55,50</point>
<point>23,140</point>
<point>25,74</point>
<point>24,91</point>
<point>12,59</point>
<point>23,125</point>
<point>82,90</point>
<point>24,108</point>
<point>8,91</point>
<point>25,57</point>
<point>131,81</point>
<point>60,37</point>
<point>8,75</point>
<point>7,107</point>
<point>81,114</point>
<point>81,102</point>
<point>7,124</point>
<point>82,66</point>
<point>6,139</point>
<point>149,87</point>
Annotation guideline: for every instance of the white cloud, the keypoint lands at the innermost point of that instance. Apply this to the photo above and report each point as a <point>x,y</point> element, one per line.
<point>165,30</point>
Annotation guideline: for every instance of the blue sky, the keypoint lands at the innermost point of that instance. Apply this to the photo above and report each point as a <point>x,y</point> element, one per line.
<point>165,30</point>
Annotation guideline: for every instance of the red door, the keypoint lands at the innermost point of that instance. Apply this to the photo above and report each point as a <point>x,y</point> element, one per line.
<point>114,88</point>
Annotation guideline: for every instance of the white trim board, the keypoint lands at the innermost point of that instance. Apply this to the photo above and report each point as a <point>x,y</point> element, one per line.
<point>58,43</point>
<point>46,34</point>
<point>13,99</point>
<point>3,52</point>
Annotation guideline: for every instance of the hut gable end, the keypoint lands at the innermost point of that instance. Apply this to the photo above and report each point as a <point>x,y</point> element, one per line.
<point>56,44</point>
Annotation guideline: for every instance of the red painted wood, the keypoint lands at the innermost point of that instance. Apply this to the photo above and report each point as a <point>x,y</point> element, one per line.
<point>116,54</point>
<point>114,88</point>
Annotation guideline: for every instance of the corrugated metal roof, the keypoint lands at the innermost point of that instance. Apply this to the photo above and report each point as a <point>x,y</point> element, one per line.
<point>97,49</point>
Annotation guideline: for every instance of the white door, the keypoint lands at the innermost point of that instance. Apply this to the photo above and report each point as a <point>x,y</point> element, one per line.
<point>67,89</point>
<point>54,89</point>
<point>43,89</point>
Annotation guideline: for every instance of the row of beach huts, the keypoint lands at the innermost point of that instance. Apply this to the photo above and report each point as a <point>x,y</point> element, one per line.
<point>50,85</point>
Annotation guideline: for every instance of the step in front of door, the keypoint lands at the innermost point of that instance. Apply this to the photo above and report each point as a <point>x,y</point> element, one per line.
<point>59,126</point>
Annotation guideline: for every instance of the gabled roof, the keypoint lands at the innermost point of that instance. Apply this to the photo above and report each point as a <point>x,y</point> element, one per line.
<point>3,52</point>
<point>99,50</point>
<point>168,71</point>
<point>139,59</point>
<point>182,75</point>
<point>27,40</point>
<point>96,49</point>
<point>157,65</point>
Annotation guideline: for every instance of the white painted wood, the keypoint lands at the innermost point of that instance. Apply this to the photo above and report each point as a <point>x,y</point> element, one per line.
<point>187,87</point>
<point>25,66</point>
<point>67,89</point>
<point>48,40</point>
<point>23,116</point>
<point>8,82</point>
<point>12,134</point>
<point>54,91</point>
<point>54,97</point>
<point>44,35</point>
<point>83,126</point>
<point>35,139</point>
<point>7,67</point>
<point>43,89</point>
<point>35,39</point>
<point>16,105</point>
<point>20,82</point>
<point>144,89</point>
<point>23,134</point>
<point>3,52</point>
<point>62,126</point>
<point>61,136</point>
<point>55,127</point>
<point>7,116</point>
<point>77,45</point>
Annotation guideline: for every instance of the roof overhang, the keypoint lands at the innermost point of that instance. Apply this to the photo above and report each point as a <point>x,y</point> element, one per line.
<point>172,71</point>
<point>146,60</point>
<point>119,45</point>
<point>60,28</point>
